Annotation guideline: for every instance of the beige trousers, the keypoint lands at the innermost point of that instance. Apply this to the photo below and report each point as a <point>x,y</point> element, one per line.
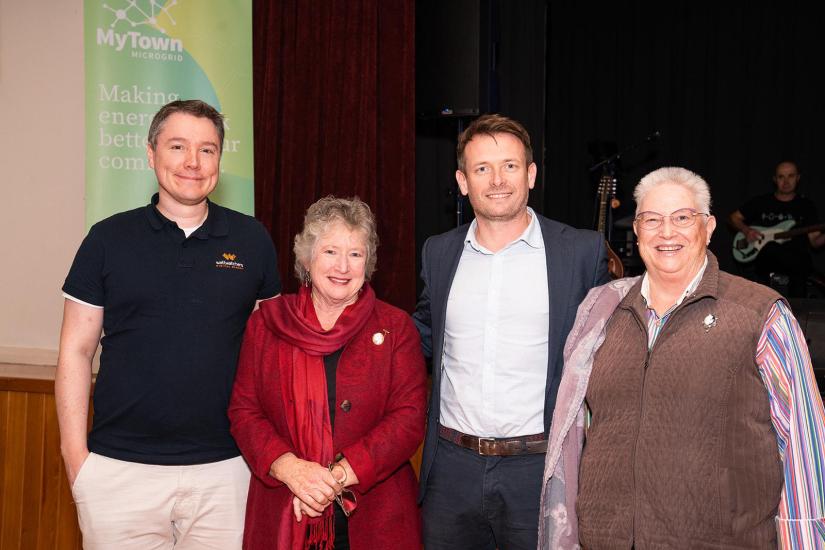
<point>127,505</point>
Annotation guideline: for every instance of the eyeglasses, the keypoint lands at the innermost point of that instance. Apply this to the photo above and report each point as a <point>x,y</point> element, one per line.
<point>346,499</point>
<point>684,217</point>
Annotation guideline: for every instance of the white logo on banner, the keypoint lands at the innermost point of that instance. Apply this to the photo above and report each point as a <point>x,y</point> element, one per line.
<point>141,17</point>
<point>134,13</point>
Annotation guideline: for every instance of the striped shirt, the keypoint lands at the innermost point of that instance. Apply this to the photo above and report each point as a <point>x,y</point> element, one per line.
<point>654,322</point>
<point>797,416</point>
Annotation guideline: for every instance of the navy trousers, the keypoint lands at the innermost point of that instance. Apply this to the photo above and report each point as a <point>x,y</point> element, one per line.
<point>482,502</point>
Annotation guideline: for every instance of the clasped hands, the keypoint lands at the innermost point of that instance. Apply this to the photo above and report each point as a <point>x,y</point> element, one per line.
<point>314,486</point>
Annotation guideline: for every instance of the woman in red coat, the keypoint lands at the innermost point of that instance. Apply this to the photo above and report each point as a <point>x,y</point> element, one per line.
<point>329,400</point>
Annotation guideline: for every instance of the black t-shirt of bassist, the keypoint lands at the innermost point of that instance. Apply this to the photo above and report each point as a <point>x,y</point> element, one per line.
<point>767,211</point>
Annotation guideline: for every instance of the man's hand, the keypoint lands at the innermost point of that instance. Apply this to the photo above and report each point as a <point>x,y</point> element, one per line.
<point>737,220</point>
<point>74,462</point>
<point>753,235</point>
<point>817,239</point>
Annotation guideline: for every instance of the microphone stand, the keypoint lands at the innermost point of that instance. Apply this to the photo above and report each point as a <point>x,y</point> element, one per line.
<point>613,158</point>
<point>459,198</point>
<point>608,167</point>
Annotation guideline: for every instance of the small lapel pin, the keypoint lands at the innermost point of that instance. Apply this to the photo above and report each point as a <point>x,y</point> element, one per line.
<point>709,322</point>
<point>378,338</point>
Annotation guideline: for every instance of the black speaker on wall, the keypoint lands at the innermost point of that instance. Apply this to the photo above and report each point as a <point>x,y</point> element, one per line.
<point>472,57</point>
<point>456,47</point>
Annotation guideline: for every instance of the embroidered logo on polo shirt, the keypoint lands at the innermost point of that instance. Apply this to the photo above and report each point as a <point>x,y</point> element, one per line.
<point>229,262</point>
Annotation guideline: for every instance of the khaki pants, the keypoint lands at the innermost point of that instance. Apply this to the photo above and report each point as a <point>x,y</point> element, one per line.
<point>127,505</point>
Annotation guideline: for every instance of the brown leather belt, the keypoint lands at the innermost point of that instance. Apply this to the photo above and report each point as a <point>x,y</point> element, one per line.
<point>496,446</point>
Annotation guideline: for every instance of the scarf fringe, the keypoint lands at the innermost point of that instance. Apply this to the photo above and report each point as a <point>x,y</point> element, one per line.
<point>321,534</point>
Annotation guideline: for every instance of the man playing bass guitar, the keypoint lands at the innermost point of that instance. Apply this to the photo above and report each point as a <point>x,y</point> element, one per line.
<point>784,205</point>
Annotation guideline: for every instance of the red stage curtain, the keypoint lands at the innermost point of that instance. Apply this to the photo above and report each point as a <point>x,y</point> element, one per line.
<point>335,114</point>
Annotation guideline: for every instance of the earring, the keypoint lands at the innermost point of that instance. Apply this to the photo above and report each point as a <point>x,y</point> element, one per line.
<point>307,279</point>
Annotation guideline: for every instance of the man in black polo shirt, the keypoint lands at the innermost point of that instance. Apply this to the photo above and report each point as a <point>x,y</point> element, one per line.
<point>171,286</point>
<point>783,209</point>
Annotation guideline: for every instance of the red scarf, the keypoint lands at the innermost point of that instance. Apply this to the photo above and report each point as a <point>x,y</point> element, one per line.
<point>302,343</point>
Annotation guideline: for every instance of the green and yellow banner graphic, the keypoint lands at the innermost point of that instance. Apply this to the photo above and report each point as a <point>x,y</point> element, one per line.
<point>141,54</point>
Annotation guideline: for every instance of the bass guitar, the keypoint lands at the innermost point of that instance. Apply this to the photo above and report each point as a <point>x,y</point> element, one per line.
<point>744,251</point>
<point>607,197</point>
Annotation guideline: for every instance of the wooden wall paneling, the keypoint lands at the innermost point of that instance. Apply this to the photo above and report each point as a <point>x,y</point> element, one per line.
<point>58,529</point>
<point>10,521</point>
<point>32,470</point>
<point>68,531</point>
<point>4,444</point>
<point>37,511</point>
<point>53,474</point>
<point>51,480</point>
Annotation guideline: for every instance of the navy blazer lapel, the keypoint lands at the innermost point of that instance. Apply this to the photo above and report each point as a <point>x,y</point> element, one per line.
<point>452,253</point>
<point>559,273</point>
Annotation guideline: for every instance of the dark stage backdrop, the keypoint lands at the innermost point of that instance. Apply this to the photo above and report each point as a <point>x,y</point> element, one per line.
<point>731,86</point>
<point>334,114</point>
<point>506,40</point>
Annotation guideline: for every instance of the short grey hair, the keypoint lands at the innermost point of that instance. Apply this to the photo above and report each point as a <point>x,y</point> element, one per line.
<point>352,212</point>
<point>680,176</point>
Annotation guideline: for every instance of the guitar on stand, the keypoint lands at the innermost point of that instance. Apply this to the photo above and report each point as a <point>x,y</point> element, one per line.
<point>607,201</point>
<point>744,251</point>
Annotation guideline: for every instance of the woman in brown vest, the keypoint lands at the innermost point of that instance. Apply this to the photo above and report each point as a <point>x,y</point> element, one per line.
<point>706,426</point>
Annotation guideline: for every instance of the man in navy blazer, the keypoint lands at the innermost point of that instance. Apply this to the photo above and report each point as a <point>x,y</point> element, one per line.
<point>500,296</point>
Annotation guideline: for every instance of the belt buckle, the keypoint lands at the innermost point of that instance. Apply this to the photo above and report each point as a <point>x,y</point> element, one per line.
<point>480,439</point>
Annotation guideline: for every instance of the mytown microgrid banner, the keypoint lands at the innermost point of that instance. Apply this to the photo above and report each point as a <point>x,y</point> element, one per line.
<point>141,54</point>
